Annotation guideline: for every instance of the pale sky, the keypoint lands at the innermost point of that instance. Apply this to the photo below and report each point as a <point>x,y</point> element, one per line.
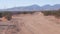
<point>4,4</point>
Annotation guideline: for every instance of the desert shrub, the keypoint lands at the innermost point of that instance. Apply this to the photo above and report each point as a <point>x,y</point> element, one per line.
<point>57,14</point>
<point>0,14</point>
<point>46,13</point>
<point>19,12</point>
<point>54,13</point>
<point>32,12</point>
<point>25,12</point>
<point>7,15</point>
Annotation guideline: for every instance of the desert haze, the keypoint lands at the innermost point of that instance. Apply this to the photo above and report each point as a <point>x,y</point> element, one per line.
<point>35,23</point>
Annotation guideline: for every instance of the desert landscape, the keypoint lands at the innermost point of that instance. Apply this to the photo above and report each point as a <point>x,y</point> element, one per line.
<point>29,16</point>
<point>35,23</point>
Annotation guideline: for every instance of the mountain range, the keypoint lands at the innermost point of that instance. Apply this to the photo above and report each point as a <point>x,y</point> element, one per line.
<point>34,8</point>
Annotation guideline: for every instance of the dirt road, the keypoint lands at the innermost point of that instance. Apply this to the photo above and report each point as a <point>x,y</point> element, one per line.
<point>37,24</point>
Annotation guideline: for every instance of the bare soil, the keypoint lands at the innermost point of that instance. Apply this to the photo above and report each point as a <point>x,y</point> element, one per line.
<point>34,24</point>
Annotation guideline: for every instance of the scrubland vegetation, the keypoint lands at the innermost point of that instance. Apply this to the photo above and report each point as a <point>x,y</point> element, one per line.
<point>53,13</point>
<point>25,12</point>
<point>8,14</point>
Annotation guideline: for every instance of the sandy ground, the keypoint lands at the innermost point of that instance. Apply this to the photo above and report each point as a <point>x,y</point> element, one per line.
<point>37,24</point>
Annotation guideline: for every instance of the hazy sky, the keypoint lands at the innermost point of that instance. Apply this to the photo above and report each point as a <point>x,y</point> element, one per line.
<point>15,3</point>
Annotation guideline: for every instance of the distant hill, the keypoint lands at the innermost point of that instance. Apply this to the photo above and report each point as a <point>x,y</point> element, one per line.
<point>34,8</point>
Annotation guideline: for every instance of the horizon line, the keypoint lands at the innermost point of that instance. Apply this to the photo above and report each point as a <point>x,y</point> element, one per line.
<point>30,5</point>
